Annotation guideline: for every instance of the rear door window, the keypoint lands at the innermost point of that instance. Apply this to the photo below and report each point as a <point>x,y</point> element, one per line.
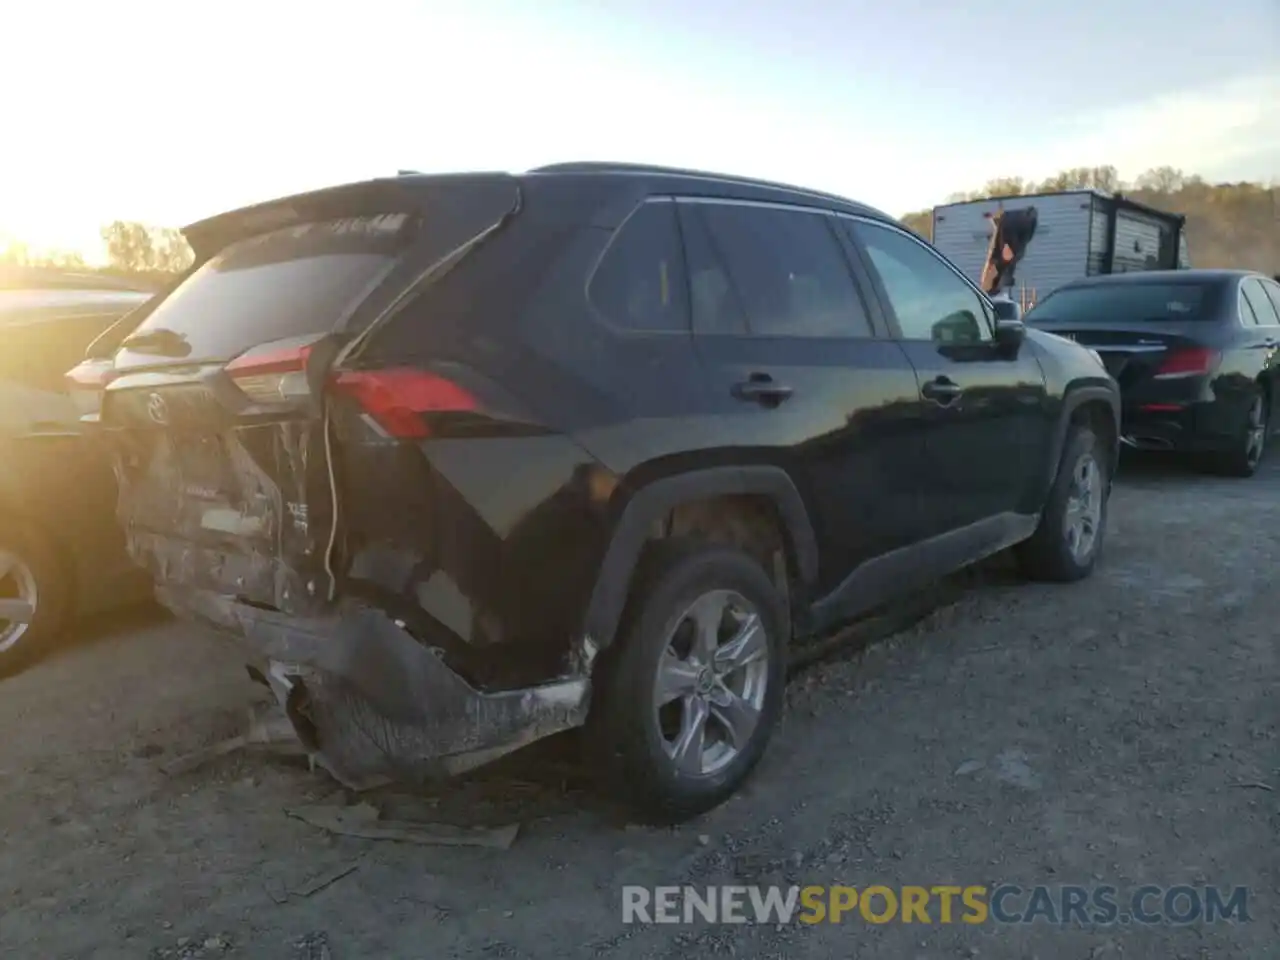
<point>1263,312</point>
<point>291,282</point>
<point>769,272</point>
<point>639,283</point>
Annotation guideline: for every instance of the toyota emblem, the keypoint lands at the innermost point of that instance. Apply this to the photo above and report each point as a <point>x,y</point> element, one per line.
<point>157,409</point>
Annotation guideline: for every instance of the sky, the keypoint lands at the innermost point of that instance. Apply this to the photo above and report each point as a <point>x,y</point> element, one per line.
<point>166,112</point>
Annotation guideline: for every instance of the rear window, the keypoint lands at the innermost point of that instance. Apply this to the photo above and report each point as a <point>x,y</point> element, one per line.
<point>299,280</point>
<point>1126,302</point>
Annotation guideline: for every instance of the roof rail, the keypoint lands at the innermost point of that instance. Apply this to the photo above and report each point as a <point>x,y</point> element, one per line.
<point>604,166</point>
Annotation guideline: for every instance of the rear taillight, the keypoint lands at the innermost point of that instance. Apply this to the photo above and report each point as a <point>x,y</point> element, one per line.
<point>397,399</point>
<point>272,374</point>
<point>1188,362</point>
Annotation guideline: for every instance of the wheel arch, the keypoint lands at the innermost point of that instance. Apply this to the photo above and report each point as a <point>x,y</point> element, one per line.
<point>652,505</point>
<point>1095,405</point>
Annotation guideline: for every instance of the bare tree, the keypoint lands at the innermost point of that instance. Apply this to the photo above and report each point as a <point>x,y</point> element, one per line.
<point>129,246</point>
<point>1162,180</point>
<point>1105,178</point>
<point>137,248</point>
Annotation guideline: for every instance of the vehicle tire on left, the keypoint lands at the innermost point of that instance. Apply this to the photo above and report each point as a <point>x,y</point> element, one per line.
<point>34,599</point>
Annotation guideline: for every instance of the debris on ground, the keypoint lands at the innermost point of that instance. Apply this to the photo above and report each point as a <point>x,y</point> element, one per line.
<point>326,879</point>
<point>365,821</point>
<point>313,946</point>
<point>270,729</point>
<point>194,948</point>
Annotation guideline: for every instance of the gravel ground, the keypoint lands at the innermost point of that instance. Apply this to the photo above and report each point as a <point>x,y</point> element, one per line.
<point>1122,731</point>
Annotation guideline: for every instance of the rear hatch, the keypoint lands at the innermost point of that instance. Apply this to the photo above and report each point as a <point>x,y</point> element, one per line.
<point>217,406</point>
<point>1148,333</point>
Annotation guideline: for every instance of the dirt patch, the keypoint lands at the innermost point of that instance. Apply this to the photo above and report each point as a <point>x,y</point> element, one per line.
<point>1121,731</point>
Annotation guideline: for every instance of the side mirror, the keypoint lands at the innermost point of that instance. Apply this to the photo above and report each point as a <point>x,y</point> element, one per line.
<point>1009,335</point>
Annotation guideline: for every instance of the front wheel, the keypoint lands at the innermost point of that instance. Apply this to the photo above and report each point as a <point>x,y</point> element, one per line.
<point>686,701</point>
<point>1068,541</point>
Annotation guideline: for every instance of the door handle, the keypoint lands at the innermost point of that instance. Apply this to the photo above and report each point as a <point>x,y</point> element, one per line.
<point>941,390</point>
<point>762,389</point>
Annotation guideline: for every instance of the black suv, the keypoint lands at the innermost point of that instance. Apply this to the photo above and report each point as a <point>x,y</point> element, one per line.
<point>472,459</point>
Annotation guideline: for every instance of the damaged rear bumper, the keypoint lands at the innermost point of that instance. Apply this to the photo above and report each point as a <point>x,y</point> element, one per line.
<point>372,703</point>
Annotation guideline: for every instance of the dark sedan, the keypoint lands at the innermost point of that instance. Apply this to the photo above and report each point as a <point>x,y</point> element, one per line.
<point>61,551</point>
<point>1196,354</point>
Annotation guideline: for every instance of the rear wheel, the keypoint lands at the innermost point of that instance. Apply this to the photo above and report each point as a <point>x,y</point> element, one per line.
<point>687,699</point>
<point>1068,541</point>
<point>1245,455</point>
<point>33,598</point>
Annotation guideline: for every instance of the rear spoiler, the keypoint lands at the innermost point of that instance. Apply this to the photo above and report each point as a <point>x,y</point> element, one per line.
<point>406,193</point>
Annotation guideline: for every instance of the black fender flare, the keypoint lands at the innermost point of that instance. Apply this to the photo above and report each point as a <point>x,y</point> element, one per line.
<point>1074,398</point>
<point>656,499</point>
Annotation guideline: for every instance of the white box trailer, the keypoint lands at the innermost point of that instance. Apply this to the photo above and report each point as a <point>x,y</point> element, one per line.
<point>1080,233</point>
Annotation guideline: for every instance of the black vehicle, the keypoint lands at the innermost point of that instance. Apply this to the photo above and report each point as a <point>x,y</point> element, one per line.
<point>1195,353</point>
<point>473,459</point>
<point>61,550</point>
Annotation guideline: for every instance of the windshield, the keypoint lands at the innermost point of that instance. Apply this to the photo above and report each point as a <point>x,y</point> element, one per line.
<point>291,282</point>
<point>1124,302</point>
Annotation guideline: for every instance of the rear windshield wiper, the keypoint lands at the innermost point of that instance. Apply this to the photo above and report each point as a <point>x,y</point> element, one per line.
<point>162,342</point>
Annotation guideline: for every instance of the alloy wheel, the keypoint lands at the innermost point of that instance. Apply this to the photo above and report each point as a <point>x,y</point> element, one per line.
<point>1256,432</point>
<point>18,598</point>
<point>1083,515</point>
<point>711,682</point>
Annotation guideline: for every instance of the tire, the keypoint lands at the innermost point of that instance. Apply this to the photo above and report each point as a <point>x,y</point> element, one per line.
<point>30,573</point>
<point>1052,553</point>
<point>1245,455</point>
<point>634,744</point>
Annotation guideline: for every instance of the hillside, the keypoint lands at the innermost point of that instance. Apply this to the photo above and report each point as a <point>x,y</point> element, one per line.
<point>1228,224</point>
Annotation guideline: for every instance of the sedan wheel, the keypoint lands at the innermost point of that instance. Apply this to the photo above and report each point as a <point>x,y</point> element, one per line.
<point>1244,456</point>
<point>1256,432</point>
